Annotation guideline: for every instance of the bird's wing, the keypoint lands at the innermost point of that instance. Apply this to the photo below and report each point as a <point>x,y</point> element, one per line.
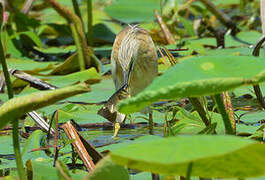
<point>127,55</point>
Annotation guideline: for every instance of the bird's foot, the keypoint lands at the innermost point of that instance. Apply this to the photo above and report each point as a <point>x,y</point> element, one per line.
<point>117,127</point>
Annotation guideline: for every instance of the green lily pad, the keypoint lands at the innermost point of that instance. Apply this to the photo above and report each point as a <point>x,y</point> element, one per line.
<point>253,117</point>
<point>107,169</point>
<point>16,107</point>
<point>243,39</point>
<point>211,156</point>
<point>43,169</point>
<point>191,123</point>
<point>66,80</point>
<point>230,51</point>
<point>248,90</point>
<point>33,142</point>
<point>199,76</point>
<point>28,65</point>
<point>82,116</point>
<point>243,129</point>
<point>133,11</point>
<point>6,144</point>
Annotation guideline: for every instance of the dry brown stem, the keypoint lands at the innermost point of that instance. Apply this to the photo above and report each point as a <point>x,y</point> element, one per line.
<point>78,145</point>
<point>73,18</point>
<point>169,38</point>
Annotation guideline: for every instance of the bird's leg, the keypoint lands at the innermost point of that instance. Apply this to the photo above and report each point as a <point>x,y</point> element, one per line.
<point>117,127</point>
<point>124,92</point>
<point>151,122</point>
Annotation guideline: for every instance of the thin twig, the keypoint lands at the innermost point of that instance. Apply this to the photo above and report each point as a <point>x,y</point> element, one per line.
<point>56,150</point>
<point>34,82</point>
<point>73,18</point>
<point>79,146</point>
<point>165,124</point>
<point>223,18</point>
<point>151,123</point>
<point>171,58</point>
<point>169,38</point>
<point>41,122</point>
<point>257,89</point>
<point>27,6</point>
<point>182,7</point>
<point>258,45</point>
<point>262,15</point>
<point>164,58</point>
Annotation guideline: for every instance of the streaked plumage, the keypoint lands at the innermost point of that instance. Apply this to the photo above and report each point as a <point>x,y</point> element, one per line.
<point>134,46</point>
<point>134,66</point>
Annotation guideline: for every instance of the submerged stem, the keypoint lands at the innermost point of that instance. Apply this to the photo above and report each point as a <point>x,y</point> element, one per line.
<point>80,54</point>
<point>15,132</point>
<point>16,147</point>
<point>199,108</point>
<point>151,123</point>
<point>89,23</point>
<point>221,108</point>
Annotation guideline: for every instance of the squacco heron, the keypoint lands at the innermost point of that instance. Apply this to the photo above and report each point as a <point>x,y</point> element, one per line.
<point>134,66</point>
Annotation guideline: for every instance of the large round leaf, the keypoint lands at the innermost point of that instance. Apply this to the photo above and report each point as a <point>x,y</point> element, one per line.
<point>16,107</point>
<point>199,76</point>
<point>133,11</point>
<point>106,169</point>
<point>210,156</point>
